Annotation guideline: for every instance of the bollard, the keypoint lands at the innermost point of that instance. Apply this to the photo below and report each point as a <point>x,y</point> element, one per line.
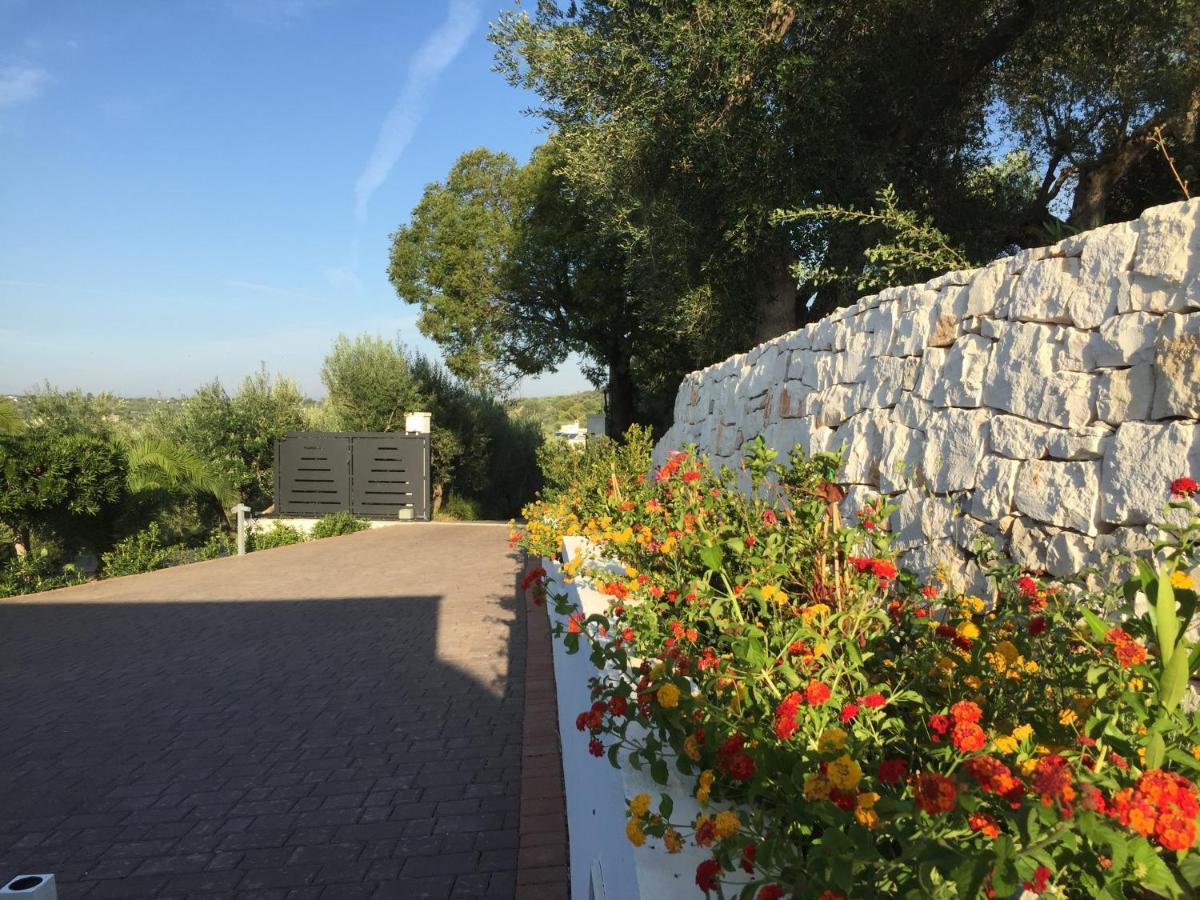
<point>31,887</point>
<point>241,509</point>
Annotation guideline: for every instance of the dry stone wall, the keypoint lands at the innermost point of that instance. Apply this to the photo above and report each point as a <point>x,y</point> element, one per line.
<point>1045,400</point>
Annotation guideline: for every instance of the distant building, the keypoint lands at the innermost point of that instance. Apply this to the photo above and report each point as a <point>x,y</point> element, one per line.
<point>573,433</point>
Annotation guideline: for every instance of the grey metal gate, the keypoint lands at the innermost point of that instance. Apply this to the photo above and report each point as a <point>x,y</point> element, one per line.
<point>373,474</point>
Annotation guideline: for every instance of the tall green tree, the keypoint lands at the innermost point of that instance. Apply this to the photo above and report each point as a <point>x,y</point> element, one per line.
<point>370,383</point>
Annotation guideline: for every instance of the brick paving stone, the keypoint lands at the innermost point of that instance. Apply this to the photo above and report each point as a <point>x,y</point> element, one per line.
<point>341,718</point>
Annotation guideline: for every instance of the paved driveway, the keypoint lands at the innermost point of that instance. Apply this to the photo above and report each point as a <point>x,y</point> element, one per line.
<point>335,719</point>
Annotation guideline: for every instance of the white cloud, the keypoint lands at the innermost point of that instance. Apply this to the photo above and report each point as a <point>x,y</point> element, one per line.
<point>433,56</point>
<point>21,84</point>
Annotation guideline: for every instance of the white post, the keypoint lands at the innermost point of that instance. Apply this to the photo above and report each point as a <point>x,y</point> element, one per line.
<point>241,509</point>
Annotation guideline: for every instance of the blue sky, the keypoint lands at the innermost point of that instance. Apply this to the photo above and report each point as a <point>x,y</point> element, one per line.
<point>192,187</point>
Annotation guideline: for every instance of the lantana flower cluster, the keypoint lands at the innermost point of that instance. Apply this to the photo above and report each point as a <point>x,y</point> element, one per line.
<point>852,729</point>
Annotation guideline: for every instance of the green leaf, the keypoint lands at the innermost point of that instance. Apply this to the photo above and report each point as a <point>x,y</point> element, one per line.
<point>1174,682</point>
<point>1095,623</point>
<point>658,771</point>
<point>1166,618</point>
<point>666,806</point>
<point>612,756</point>
<point>1155,751</point>
<point>711,557</point>
<point>970,875</point>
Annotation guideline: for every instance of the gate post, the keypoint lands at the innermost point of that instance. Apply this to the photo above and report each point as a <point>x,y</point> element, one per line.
<point>241,509</point>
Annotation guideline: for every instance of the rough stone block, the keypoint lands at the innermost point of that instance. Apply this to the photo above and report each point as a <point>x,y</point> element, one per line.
<point>793,397</point>
<point>1043,292</point>
<point>954,442</point>
<point>1088,442</point>
<point>963,374</point>
<point>1177,378</point>
<point>1139,465</point>
<point>1125,340</point>
<point>1060,493</point>
<point>1167,236</point>
<point>1124,395</point>
<point>1069,553</point>
<point>902,455</point>
<point>1107,251</point>
<point>1144,293</point>
<point>996,482</point>
<point>861,440</point>
<point>930,374</point>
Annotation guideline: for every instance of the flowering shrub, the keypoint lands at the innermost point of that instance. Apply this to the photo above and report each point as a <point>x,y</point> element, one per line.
<point>852,730</point>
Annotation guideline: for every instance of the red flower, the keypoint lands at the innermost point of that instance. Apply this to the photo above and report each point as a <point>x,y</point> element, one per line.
<point>892,771</point>
<point>1027,586</point>
<point>843,800</point>
<point>1041,879</point>
<point>873,701</point>
<point>617,705</point>
<point>816,693</point>
<point>1184,487</point>
<point>934,793</point>
<point>706,875</point>
<point>1037,625</point>
<point>595,747</point>
<point>929,591</point>
<point>749,852</point>
<point>581,721</point>
<point>968,737</point>
<point>939,725</point>
<point>984,824</point>
<point>769,517</point>
<point>966,711</point>
<point>770,892</point>
<point>532,577</point>
<point>1052,780</point>
<point>849,711</point>
<point>742,768</point>
<point>785,716</point>
<point>691,475</point>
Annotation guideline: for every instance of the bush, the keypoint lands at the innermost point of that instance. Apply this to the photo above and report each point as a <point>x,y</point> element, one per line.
<point>36,572</point>
<point>141,552</point>
<point>460,509</point>
<point>280,535</point>
<point>853,729</point>
<point>338,523</point>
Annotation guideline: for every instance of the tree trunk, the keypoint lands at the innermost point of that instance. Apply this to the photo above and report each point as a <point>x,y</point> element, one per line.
<point>620,397</point>
<point>775,299</point>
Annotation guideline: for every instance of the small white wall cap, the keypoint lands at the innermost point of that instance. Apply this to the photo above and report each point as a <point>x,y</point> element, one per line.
<point>417,422</point>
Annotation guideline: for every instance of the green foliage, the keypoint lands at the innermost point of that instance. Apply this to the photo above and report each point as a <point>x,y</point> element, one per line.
<point>460,509</point>
<point>371,385</point>
<point>587,472</point>
<point>913,248</point>
<point>74,412</point>
<point>550,412</point>
<point>68,486</point>
<point>279,535</point>
<point>338,523</point>
<point>235,435</point>
<point>11,420</point>
<point>141,552</point>
<point>156,466</point>
<point>36,571</point>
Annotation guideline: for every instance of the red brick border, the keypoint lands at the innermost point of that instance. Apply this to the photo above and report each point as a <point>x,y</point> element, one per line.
<point>542,859</point>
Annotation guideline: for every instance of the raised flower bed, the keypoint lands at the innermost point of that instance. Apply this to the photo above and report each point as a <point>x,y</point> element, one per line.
<point>842,728</point>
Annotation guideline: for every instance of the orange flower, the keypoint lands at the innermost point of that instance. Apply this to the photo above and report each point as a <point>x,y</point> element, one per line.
<point>934,793</point>
<point>984,824</point>
<point>966,711</point>
<point>968,737</point>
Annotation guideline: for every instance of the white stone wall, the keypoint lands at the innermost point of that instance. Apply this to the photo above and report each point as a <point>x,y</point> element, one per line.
<point>1045,400</point>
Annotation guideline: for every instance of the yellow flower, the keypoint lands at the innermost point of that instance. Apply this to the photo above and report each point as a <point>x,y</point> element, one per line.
<point>1005,743</point>
<point>772,592</point>
<point>691,748</point>
<point>1067,717</point>
<point>811,612</point>
<point>830,740</point>
<point>1182,581</point>
<point>1022,732</point>
<point>1028,766</point>
<point>864,809</point>
<point>1136,684</point>
<point>816,787</point>
<point>968,630</point>
<point>623,537</point>
<point>1196,750</point>
<point>673,841</point>
<point>820,649</point>
<point>633,831</point>
<point>726,823</point>
<point>631,572</point>
<point>1003,655</point>
<point>704,787</point>
<point>640,805</point>
<point>844,773</point>
<point>668,696</point>
<point>1031,667</point>
<point>973,682</point>
<point>973,603</point>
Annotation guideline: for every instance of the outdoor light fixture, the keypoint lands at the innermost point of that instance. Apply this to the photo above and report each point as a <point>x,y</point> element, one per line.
<point>31,887</point>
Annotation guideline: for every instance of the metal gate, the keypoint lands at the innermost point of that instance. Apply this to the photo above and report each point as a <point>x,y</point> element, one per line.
<point>378,475</point>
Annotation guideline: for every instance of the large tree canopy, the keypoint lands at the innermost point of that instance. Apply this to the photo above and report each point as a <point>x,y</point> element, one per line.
<point>678,129</point>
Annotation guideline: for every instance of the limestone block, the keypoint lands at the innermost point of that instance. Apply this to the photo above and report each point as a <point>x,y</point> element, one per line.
<point>884,379</point>
<point>905,521</point>
<point>937,515</point>
<point>929,374</point>
<point>950,279</point>
<point>979,296</point>
<point>804,433</point>
<point>800,339</point>
<point>945,330</point>
<point>1088,442</point>
<point>884,326</point>
<point>903,450</point>
<point>816,368</point>
<point>1177,378</point>
<point>1139,465</point>
<point>1166,244</point>
<point>1191,296</point>
<point>1056,398</point>
<point>954,442</point>
<point>728,440</point>
<point>1069,553</point>
<point>912,412</point>
<point>793,397</point>
<point>770,369</point>
<point>1174,325</point>
<point>1043,292</point>
<point>914,328</point>
<point>996,483</point>
<point>1125,394</point>
<point>833,405</point>
<point>797,365</point>
<point>1029,543</point>
<point>962,377</point>
<point>1093,301</point>
<point>1125,340</point>
<point>860,439</point>
<point>822,335</point>
<point>1107,251</point>
<point>1136,292</point>
<point>1060,493</point>
<point>1020,261</point>
<point>854,358</point>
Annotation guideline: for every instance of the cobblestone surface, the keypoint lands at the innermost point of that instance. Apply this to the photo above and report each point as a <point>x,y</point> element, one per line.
<point>335,719</point>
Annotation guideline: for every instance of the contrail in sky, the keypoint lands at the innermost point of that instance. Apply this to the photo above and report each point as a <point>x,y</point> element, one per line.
<point>433,56</point>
